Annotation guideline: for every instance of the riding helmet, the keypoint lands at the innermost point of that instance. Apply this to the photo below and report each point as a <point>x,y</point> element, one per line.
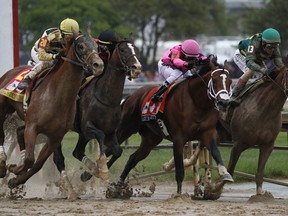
<point>107,37</point>
<point>67,25</point>
<point>271,35</point>
<point>190,48</point>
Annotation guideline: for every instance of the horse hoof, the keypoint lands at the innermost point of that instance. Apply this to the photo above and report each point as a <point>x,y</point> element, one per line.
<point>85,176</point>
<point>72,196</point>
<point>12,183</point>
<point>3,169</point>
<point>227,177</point>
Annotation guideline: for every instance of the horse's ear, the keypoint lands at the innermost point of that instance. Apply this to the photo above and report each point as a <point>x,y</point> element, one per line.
<point>226,66</point>
<point>212,65</point>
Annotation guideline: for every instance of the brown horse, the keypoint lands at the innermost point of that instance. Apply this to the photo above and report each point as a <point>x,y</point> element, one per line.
<point>98,109</point>
<point>190,114</point>
<point>52,105</point>
<point>257,121</point>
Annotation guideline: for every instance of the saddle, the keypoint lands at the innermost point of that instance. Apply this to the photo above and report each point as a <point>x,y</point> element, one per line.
<point>227,114</point>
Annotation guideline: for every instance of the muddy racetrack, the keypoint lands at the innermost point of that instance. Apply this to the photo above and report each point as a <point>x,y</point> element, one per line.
<point>41,196</point>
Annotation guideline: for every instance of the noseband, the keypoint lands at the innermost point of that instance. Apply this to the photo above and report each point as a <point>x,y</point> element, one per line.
<point>79,61</point>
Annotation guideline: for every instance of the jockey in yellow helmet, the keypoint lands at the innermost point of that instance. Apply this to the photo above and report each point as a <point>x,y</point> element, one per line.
<point>48,48</point>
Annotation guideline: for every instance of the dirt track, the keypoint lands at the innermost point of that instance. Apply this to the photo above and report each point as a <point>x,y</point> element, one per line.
<point>45,199</point>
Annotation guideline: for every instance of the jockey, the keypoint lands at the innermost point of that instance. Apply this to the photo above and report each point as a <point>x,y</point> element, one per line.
<point>252,53</point>
<point>48,48</point>
<point>177,62</point>
<point>106,41</point>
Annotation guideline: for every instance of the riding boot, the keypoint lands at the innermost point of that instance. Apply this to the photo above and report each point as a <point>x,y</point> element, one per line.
<point>158,94</point>
<point>234,100</point>
<point>24,83</point>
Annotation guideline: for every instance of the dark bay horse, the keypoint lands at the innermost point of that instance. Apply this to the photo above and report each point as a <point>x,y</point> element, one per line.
<point>257,121</point>
<point>52,105</point>
<point>98,109</point>
<point>190,114</point>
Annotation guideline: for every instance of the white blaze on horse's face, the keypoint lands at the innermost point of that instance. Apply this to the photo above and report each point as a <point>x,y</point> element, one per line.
<point>224,77</point>
<point>137,65</point>
<point>223,93</point>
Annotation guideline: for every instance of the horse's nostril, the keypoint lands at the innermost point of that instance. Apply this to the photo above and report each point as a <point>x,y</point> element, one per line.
<point>95,65</point>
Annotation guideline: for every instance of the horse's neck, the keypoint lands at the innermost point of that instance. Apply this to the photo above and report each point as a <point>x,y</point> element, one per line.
<point>198,92</point>
<point>110,86</point>
<point>68,78</point>
<point>274,94</point>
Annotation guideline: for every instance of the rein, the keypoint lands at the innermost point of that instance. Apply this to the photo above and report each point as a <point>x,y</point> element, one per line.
<point>79,61</point>
<point>284,88</point>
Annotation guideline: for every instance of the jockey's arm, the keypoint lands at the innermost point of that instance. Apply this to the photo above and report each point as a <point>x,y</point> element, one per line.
<point>44,56</point>
<point>251,59</point>
<point>175,58</point>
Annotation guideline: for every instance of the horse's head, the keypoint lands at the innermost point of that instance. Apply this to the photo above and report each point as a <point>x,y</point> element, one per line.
<point>83,53</point>
<point>220,85</point>
<point>128,60</point>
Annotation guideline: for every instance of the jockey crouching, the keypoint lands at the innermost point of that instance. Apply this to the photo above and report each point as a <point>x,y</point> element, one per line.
<point>49,48</point>
<point>250,57</point>
<point>178,62</point>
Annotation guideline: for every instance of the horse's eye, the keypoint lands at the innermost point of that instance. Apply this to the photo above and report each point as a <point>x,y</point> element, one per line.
<point>80,46</point>
<point>121,50</point>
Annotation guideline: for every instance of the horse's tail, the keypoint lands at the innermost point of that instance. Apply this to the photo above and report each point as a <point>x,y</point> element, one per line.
<point>123,101</point>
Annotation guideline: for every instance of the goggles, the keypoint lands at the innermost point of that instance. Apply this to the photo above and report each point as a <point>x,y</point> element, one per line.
<point>103,47</point>
<point>271,46</point>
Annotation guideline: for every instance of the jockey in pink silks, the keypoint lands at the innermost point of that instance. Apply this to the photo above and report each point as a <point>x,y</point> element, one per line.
<point>178,62</point>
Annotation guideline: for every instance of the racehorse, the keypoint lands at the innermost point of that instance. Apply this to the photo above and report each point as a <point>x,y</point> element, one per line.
<point>98,109</point>
<point>189,114</point>
<point>52,105</point>
<point>257,121</point>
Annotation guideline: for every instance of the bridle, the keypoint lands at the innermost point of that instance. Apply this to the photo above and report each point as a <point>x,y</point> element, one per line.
<point>212,94</point>
<point>124,67</point>
<point>80,61</point>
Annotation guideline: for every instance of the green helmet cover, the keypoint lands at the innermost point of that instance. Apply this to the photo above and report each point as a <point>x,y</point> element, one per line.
<point>271,35</point>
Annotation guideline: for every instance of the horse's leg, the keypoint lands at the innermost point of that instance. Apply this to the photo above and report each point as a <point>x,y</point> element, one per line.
<point>264,154</point>
<point>91,132</point>
<point>3,156</point>
<point>178,146</point>
<point>30,136</point>
<point>236,151</point>
<point>79,153</point>
<point>210,141</point>
<point>58,159</point>
<point>45,152</point>
<point>21,142</point>
<point>115,150</point>
<point>148,141</point>
<point>20,139</point>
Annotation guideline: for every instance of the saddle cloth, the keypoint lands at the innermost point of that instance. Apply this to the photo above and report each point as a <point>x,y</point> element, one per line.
<point>149,109</point>
<point>10,90</point>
